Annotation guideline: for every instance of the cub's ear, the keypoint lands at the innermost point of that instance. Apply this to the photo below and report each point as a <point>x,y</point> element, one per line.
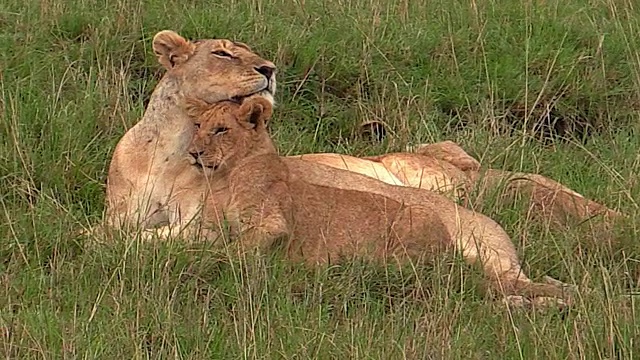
<point>195,108</point>
<point>171,48</point>
<point>256,112</point>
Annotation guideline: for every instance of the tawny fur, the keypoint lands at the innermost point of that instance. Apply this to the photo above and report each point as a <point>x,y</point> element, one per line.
<point>323,213</point>
<point>446,168</point>
<point>150,181</point>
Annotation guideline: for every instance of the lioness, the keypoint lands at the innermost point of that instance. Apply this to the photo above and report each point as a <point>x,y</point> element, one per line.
<point>311,207</point>
<point>446,168</point>
<point>150,182</point>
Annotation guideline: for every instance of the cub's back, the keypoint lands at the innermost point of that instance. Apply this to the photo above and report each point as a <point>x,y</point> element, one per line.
<point>330,223</point>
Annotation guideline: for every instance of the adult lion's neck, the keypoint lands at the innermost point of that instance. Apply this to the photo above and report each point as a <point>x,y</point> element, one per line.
<point>164,103</point>
<point>166,117</point>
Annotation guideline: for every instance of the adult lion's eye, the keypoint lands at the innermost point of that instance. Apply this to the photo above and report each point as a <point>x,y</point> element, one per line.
<point>221,53</point>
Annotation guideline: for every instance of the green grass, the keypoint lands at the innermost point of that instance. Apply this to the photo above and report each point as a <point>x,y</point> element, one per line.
<point>74,75</point>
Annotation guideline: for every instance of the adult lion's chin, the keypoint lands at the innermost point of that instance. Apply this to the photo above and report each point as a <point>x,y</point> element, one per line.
<point>266,93</point>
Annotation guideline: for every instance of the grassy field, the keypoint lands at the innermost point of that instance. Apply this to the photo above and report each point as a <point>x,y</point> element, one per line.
<point>541,86</point>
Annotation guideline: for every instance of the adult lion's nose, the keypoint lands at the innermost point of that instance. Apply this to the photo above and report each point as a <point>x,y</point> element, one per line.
<point>266,70</point>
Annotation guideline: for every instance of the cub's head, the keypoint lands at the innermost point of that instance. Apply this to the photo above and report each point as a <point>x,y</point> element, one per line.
<point>227,132</point>
<point>215,69</point>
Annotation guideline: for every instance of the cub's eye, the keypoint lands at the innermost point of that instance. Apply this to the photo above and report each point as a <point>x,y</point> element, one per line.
<point>219,130</point>
<point>196,126</point>
<point>221,53</point>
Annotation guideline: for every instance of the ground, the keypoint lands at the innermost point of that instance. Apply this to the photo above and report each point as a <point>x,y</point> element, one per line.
<point>538,86</point>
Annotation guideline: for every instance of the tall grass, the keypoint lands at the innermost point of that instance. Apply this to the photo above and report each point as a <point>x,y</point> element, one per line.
<point>541,86</point>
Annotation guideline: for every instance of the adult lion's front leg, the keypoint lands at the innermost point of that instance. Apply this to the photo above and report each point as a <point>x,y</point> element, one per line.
<point>547,200</point>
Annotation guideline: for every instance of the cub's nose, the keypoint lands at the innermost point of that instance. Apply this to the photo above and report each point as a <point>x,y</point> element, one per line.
<point>196,153</point>
<point>195,156</point>
<point>266,70</point>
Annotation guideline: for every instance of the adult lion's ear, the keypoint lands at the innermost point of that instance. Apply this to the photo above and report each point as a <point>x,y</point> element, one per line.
<point>171,48</point>
<point>256,112</point>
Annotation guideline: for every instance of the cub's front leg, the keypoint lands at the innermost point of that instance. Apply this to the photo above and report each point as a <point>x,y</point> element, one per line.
<point>259,216</point>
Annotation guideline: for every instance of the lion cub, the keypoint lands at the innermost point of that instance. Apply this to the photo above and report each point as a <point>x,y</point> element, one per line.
<point>321,214</point>
<point>266,204</point>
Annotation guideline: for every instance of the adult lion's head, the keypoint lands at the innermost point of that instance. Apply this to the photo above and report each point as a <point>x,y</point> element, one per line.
<point>215,69</point>
<point>228,132</point>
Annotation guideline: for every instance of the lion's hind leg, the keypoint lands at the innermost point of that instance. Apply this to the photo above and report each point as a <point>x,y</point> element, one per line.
<point>551,293</point>
<point>519,290</point>
<point>484,241</point>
